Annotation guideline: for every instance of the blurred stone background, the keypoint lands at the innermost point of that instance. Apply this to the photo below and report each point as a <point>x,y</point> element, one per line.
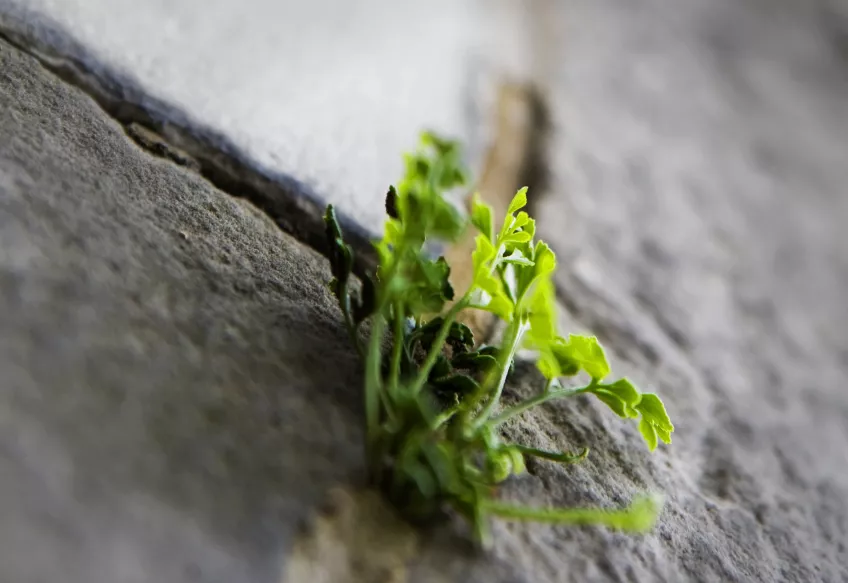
<point>167,409</point>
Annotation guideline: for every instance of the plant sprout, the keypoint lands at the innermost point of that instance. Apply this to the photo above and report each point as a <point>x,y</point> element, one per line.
<point>432,398</point>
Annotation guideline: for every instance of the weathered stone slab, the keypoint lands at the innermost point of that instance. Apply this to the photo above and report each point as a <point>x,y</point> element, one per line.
<point>167,409</point>
<point>324,94</point>
<point>180,401</point>
<point>698,203</point>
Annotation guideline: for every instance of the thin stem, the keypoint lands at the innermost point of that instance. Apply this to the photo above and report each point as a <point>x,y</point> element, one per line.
<point>373,380</point>
<point>438,344</point>
<point>514,332</point>
<point>397,347</point>
<point>555,456</point>
<point>640,516</point>
<point>537,400</point>
<point>445,416</point>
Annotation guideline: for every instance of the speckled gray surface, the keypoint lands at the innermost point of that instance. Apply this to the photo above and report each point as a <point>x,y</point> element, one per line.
<point>164,392</point>
<point>323,91</point>
<point>159,338</point>
<point>699,205</point>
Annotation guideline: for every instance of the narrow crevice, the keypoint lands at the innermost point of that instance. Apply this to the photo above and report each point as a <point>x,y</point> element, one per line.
<point>170,133</point>
<point>291,204</point>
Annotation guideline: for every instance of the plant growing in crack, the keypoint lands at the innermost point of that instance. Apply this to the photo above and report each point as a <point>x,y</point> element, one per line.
<point>432,399</point>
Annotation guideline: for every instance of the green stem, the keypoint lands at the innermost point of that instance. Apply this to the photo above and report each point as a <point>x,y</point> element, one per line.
<point>537,400</point>
<point>438,344</point>
<point>373,380</point>
<point>445,416</point>
<point>513,338</point>
<point>561,457</point>
<point>640,516</point>
<point>397,348</point>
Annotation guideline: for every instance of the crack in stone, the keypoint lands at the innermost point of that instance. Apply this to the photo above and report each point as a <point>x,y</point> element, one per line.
<point>166,132</point>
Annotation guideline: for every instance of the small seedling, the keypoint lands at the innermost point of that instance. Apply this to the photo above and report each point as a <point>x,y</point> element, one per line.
<point>432,398</point>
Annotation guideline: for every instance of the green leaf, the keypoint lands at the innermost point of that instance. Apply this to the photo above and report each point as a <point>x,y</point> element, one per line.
<point>457,383</point>
<point>516,257</point>
<point>618,406</point>
<point>655,424</point>
<point>652,407</point>
<point>514,239</point>
<point>340,254</point>
<point>460,335</point>
<point>482,255</point>
<point>649,432</point>
<point>496,300</point>
<point>620,396</point>
<point>474,361</point>
<point>446,223</point>
<point>587,353</point>
<point>519,201</point>
<point>392,203</point>
<point>482,218</point>
<point>541,314</point>
<point>441,369</point>
<point>625,390</point>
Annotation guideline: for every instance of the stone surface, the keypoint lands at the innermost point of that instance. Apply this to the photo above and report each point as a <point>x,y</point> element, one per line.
<point>324,92</point>
<point>180,401</point>
<point>698,204</point>
<point>166,416</point>
<point>167,411</point>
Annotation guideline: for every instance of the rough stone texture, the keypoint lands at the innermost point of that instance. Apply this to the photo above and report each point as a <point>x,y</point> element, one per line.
<point>165,416</point>
<point>699,204</point>
<point>325,92</point>
<point>180,401</point>
<point>167,412</point>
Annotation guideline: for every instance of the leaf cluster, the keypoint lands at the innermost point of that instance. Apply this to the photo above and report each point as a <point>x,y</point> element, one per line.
<point>432,402</point>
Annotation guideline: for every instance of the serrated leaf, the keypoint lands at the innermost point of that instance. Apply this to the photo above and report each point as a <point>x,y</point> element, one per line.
<point>626,391</point>
<point>461,334</point>
<point>457,383</point>
<point>445,221</point>
<point>474,361</point>
<point>547,365</point>
<point>612,401</point>
<point>541,314</point>
<point>441,369</point>
<point>652,407</point>
<point>520,221</point>
<point>496,299</point>
<point>523,261</point>
<point>655,423</point>
<point>621,396</point>
<point>518,202</point>
<point>587,352</point>
<point>482,217</point>
<point>544,260</point>
<point>649,433</point>
<point>516,238</point>
<point>483,253</point>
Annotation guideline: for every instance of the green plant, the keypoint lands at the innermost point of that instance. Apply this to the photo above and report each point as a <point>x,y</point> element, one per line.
<point>432,400</point>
